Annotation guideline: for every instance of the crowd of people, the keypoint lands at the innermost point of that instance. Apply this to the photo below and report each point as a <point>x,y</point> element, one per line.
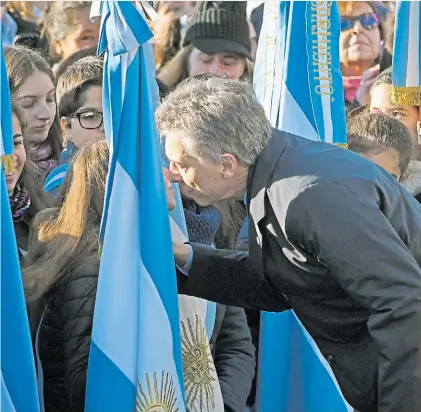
<point>362,308</point>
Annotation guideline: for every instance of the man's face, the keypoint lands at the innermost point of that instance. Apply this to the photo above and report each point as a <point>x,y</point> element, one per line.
<point>203,179</point>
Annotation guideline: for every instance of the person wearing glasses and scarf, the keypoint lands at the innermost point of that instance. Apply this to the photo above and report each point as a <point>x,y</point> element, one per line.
<point>360,45</point>
<point>79,96</point>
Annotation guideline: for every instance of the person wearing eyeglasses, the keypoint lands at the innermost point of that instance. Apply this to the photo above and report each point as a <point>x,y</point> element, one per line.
<point>360,45</point>
<point>79,96</point>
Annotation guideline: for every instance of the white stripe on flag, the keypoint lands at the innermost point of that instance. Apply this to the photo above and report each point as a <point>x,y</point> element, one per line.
<point>413,63</point>
<point>177,234</point>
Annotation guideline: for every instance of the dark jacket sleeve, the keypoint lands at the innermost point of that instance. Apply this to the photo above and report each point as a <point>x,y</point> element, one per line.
<point>234,359</point>
<point>78,302</point>
<point>349,234</point>
<point>228,277</point>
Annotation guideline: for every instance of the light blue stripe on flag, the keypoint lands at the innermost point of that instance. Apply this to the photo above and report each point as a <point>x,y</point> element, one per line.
<point>18,386</point>
<point>401,43</point>
<point>135,359</point>
<point>406,67</point>
<point>407,63</point>
<point>298,82</point>
<point>6,401</point>
<point>301,379</point>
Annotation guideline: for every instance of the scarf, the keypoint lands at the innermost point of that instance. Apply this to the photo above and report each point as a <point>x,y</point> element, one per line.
<point>202,222</point>
<point>351,85</point>
<point>19,203</point>
<point>41,155</point>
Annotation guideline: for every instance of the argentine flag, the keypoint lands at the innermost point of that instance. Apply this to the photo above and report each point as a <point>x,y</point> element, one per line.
<point>299,83</point>
<point>297,76</point>
<point>135,359</point>
<point>18,380</point>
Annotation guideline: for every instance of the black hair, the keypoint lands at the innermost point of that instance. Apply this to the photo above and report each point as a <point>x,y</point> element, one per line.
<point>376,133</point>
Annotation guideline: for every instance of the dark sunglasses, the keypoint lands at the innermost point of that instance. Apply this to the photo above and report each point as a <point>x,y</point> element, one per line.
<point>368,21</point>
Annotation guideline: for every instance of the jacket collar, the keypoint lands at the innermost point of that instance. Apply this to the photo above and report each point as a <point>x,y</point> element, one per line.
<point>260,174</point>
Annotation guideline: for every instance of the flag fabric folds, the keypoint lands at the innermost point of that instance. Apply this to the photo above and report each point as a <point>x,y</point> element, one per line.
<point>135,357</point>
<point>297,76</point>
<point>298,82</point>
<point>293,375</point>
<point>18,379</point>
<point>406,63</point>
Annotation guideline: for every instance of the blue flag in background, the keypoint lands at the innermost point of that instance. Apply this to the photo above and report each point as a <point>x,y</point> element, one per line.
<point>135,359</point>
<point>18,380</point>
<point>298,81</point>
<point>297,76</point>
<point>406,71</point>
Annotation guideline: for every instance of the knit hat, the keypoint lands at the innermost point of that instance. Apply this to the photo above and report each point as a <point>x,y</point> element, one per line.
<point>220,27</point>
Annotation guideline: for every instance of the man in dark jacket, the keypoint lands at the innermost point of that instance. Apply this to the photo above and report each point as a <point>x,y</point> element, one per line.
<point>331,235</point>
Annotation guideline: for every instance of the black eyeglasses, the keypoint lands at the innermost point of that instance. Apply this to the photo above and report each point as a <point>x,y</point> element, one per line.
<point>368,21</point>
<point>89,119</point>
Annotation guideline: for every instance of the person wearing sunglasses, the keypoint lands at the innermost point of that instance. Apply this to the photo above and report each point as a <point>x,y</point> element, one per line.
<point>79,96</point>
<point>360,45</point>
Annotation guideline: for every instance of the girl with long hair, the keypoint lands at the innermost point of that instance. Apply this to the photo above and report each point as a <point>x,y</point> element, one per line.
<point>26,195</point>
<point>32,90</point>
<point>61,276</point>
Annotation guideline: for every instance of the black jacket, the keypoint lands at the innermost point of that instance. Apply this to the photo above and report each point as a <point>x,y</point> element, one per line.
<point>234,356</point>
<point>336,238</point>
<point>65,338</point>
<point>22,234</point>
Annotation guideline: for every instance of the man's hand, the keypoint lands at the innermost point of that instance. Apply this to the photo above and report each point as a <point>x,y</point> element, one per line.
<point>181,253</point>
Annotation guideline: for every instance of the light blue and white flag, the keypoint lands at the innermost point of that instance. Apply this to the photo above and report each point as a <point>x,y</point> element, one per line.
<point>135,359</point>
<point>18,379</point>
<point>406,67</point>
<point>297,76</point>
<point>298,82</point>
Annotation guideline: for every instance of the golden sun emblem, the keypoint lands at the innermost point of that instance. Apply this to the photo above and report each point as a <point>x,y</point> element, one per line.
<point>159,398</point>
<point>197,366</point>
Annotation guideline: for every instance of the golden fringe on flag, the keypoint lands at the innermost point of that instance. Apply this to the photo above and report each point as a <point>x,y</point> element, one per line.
<point>405,96</point>
<point>9,164</point>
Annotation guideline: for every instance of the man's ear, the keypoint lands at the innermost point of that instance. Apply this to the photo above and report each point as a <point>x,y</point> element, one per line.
<point>229,165</point>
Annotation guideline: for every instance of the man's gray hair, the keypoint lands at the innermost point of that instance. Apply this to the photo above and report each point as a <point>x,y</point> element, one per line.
<point>215,115</point>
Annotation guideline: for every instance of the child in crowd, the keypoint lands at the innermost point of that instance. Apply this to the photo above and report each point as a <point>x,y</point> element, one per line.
<point>79,95</point>
<point>381,139</point>
<point>26,197</point>
<point>410,116</point>
<point>31,83</point>
<point>67,27</point>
